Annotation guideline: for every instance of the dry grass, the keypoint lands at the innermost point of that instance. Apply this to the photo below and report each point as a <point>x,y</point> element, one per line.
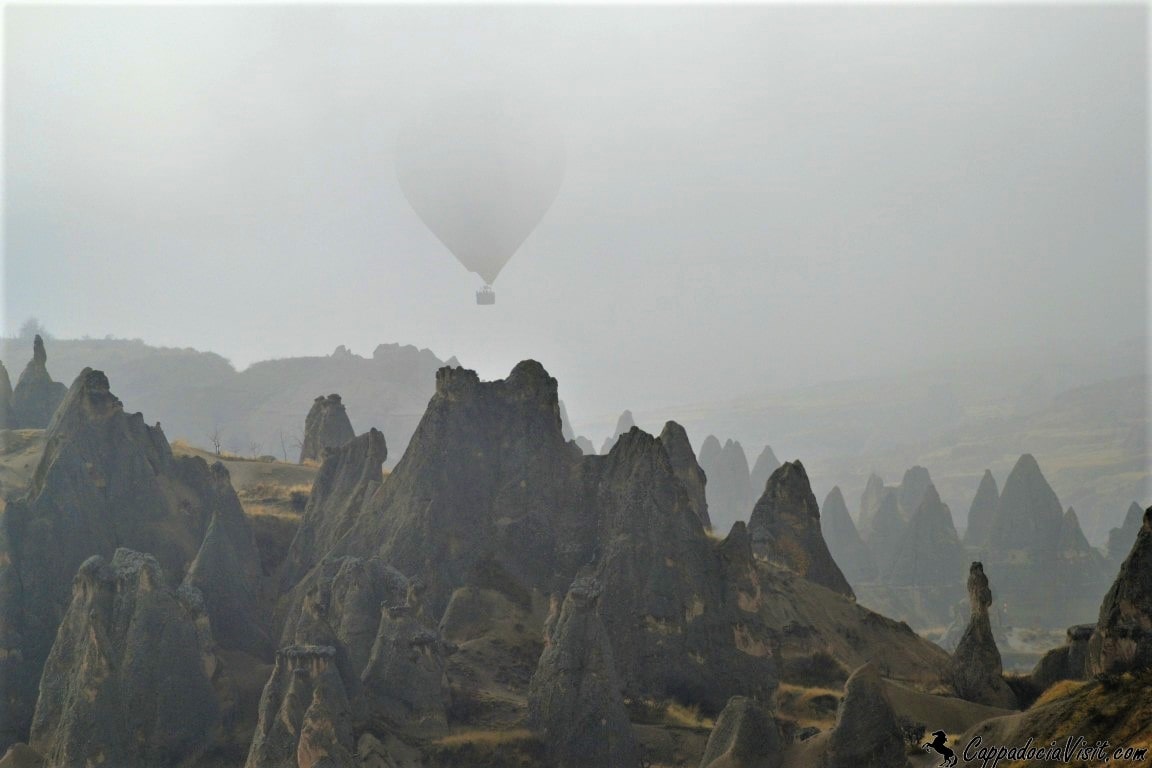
<point>1059,690</point>
<point>668,713</point>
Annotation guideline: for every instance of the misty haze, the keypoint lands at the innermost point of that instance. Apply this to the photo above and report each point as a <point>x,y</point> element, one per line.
<point>413,386</point>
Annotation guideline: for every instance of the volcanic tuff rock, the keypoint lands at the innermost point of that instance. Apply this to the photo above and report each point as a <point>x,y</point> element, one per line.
<point>565,425</point>
<point>1123,637</point>
<point>326,426</point>
<point>866,734</point>
<point>349,476</point>
<point>36,395</point>
<point>574,700</point>
<point>675,442</point>
<point>930,553</point>
<point>766,464</point>
<point>585,445</point>
<point>305,718</point>
<point>745,736</point>
<point>128,680</point>
<point>105,480</point>
<point>1044,583</point>
<point>1120,539</point>
<point>5,398</point>
<point>844,542</point>
<point>1068,662</point>
<point>488,485</point>
<point>887,532</point>
<point>729,485</point>
<point>911,491</point>
<point>982,513</point>
<point>870,500</point>
<point>977,674</point>
<point>785,528</point>
<point>226,571</point>
<point>623,425</point>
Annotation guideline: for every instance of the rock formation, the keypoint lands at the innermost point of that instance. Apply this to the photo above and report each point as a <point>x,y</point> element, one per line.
<point>844,542</point>
<point>623,424</point>
<point>349,476</point>
<point>326,426</point>
<point>1068,662</point>
<point>679,449</point>
<point>226,571</point>
<point>930,553</point>
<point>1123,637</point>
<point>866,734</point>
<point>585,446</point>
<point>1045,583</point>
<point>729,485</point>
<point>106,480</point>
<point>766,464</point>
<point>910,492</point>
<point>128,679</point>
<point>745,736</point>
<point>785,528</point>
<point>1120,540</point>
<point>887,531</point>
<point>874,493</point>
<point>36,396</point>
<point>565,424</point>
<point>982,513</point>
<point>305,718</point>
<point>5,398</point>
<point>977,673</point>
<point>574,701</point>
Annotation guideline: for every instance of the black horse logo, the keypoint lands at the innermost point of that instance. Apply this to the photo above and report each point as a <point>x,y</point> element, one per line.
<point>939,739</point>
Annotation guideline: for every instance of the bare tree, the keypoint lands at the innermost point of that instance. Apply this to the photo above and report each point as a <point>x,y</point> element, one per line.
<point>216,439</point>
<point>283,444</point>
<point>254,448</point>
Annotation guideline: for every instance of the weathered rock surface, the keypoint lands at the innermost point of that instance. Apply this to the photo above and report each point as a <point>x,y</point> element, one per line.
<point>766,464</point>
<point>745,736</point>
<point>683,458</point>
<point>785,529</point>
<point>1120,540</point>
<point>929,552</point>
<point>305,719</point>
<point>348,477</point>
<point>326,426</point>
<point>624,424</point>
<point>977,672</point>
<point>1068,662</point>
<point>844,542</point>
<point>36,396</point>
<point>128,680</point>
<point>866,734</point>
<point>585,446</point>
<point>575,701</point>
<point>106,480</point>
<point>565,424</point>
<point>226,571</point>
<point>982,513</point>
<point>1029,514</point>
<point>1123,637</point>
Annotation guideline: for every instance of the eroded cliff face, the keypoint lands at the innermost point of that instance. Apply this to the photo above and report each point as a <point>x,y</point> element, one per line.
<point>575,701</point>
<point>107,480</point>
<point>1123,638</point>
<point>128,681</point>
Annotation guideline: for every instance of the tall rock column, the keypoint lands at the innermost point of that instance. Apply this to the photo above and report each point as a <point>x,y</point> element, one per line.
<point>977,673</point>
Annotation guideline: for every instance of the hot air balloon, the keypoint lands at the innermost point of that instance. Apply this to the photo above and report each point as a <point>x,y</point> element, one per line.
<point>481,169</point>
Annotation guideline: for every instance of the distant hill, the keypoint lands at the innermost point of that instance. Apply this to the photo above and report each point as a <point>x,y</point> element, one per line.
<point>259,410</point>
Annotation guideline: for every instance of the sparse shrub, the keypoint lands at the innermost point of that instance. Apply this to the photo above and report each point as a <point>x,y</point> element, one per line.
<point>298,500</point>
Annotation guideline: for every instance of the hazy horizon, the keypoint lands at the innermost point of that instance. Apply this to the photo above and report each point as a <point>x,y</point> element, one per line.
<point>756,198</point>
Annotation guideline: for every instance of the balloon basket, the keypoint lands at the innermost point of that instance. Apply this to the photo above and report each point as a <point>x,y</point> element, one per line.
<point>486,296</point>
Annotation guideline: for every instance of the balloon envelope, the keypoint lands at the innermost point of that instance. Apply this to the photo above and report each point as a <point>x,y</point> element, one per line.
<point>481,170</point>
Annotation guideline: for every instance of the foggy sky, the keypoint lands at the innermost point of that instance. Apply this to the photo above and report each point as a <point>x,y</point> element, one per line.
<point>755,197</point>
